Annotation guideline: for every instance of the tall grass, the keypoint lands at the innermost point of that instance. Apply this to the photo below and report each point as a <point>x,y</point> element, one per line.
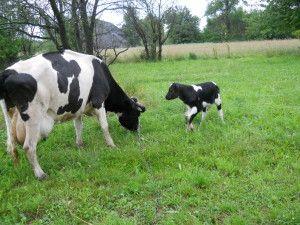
<point>220,50</point>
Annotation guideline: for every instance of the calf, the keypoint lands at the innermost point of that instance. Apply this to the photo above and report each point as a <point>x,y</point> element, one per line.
<point>60,86</point>
<point>197,98</point>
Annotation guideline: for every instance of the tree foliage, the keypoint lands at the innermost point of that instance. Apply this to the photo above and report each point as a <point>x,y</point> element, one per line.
<point>185,28</point>
<point>148,20</point>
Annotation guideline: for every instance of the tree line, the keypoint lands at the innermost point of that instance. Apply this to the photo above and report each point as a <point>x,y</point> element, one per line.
<point>70,24</point>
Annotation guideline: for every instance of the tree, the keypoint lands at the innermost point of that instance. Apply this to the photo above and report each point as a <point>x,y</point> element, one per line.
<point>130,33</point>
<point>186,26</point>
<point>220,11</point>
<point>282,17</point>
<point>69,24</point>
<point>148,18</point>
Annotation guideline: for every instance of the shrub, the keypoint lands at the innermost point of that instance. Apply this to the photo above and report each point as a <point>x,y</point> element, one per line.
<point>192,56</point>
<point>296,34</point>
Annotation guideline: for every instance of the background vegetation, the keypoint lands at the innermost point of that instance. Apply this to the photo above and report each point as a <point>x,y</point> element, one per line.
<point>30,26</point>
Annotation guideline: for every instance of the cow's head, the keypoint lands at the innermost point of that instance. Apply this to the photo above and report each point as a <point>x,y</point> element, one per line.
<point>130,118</point>
<point>173,92</point>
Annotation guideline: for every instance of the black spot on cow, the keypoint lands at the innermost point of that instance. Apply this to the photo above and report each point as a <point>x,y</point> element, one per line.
<point>100,87</point>
<point>17,89</point>
<point>66,70</point>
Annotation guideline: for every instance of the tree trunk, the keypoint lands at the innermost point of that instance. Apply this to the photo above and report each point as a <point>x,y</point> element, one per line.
<point>88,33</point>
<point>75,22</point>
<point>227,19</point>
<point>61,25</point>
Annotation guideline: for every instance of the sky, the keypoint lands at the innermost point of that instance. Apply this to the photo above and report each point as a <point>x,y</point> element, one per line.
<point>197,8</point>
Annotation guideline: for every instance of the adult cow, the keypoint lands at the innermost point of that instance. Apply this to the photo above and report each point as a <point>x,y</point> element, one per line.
<point>60,86</point>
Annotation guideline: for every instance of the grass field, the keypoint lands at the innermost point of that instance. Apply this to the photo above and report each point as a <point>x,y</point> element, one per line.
<point>246,171</point>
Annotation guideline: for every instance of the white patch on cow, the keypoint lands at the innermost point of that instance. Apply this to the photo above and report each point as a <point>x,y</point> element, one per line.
<point>191,111</point>
<point>218,100</point>
<point>197,88</point>
<point>46,125</point>
<point>206,104</point>
<point>214,83</point>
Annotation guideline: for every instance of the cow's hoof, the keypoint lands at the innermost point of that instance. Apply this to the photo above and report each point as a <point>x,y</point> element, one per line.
<point>16,161</point>
<point>80,144</point>
<point>43,176</point>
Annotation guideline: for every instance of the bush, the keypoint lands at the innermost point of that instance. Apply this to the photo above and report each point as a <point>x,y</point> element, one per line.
<point>296,34</point>
<point>192,56</point>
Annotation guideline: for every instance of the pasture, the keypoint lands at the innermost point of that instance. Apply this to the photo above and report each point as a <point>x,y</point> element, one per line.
<point>245,171</point>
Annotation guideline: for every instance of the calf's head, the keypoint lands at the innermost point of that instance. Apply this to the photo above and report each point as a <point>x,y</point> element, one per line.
<point>130,118</point>
<point>173,91</point>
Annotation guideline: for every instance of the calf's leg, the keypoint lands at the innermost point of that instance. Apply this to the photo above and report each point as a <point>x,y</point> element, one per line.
<point>204,112</point>
<point>101,115</point>
<point>190,115</point>
<point>218,103</point>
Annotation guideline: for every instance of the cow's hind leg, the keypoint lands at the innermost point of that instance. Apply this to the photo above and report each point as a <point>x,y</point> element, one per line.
<point>218,103</point>
<point>101,115</point>
<point>78,129</point>
<point>11,142</point>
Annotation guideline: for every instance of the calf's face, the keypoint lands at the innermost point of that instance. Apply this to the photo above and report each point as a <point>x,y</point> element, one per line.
<point>130,118</point>
<point>173,92</point>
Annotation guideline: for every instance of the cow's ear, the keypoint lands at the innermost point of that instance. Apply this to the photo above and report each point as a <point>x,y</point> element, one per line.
<point>141,108</point>
<point>134,99</point>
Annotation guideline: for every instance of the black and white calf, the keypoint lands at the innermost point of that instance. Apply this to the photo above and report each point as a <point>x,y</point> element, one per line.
<point>198,98</point>
<point>56,87</point>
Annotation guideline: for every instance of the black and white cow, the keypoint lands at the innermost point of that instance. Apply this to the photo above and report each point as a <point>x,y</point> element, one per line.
<point>198,98</point>
<point>56,87</point>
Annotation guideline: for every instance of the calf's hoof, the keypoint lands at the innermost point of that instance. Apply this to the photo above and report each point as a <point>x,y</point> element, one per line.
<point>190,127</point>
<point>42,176</point>
<point>112,145</point>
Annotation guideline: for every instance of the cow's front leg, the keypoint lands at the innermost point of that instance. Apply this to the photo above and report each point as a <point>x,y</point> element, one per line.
<point>190,116</point>
<point>78,129</point>
<point>32,136</point>
<point>101,115</point>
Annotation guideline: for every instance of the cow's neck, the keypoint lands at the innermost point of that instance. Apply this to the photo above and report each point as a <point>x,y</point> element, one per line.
<point>117,100</point>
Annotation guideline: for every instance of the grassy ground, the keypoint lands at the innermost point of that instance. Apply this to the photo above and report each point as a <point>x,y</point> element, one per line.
<point>244,172</point>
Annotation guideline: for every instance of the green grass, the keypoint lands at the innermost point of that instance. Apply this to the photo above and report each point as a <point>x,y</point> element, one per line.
<point>243,172</point>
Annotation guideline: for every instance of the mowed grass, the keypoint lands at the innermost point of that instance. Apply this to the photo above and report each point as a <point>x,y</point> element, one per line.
<point>245,171</point>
